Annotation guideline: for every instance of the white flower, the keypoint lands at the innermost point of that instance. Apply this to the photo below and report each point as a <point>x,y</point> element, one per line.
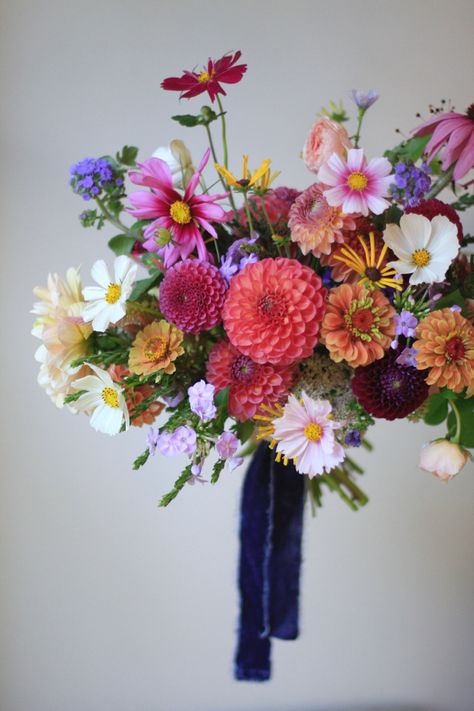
<point>179,161</point>
<point>425,248</point>
<point>442,458</point>
<point>103,400</point>
<point>106,302</point>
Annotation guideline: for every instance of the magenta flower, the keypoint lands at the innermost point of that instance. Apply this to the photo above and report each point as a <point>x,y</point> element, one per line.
<point>457,132</point>
<point>354,185</point>
<point>224,70</point>
<point>183,216</point>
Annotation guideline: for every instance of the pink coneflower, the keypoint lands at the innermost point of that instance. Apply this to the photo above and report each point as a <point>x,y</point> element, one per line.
<point>457,131</point>
<point>180,215</point>
<point>355,185</point>
<point>223,70</point>
<point>305,433</point>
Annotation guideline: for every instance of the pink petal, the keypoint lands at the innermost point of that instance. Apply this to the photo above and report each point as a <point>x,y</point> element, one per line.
<point>353,202</point>
<point>355,159</point>
<point>336,164</point>
<point>336,196</point>
<point>378,168</point>
<point>377,204</point>
<point>466,161</point>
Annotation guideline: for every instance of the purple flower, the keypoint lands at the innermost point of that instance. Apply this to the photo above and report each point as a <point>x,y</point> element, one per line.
<point>406,324</point>
<point>89,177</point>
<point>173,400</point>
<point>411,183</point>
<point>353,438</point>
<point>407,357</point>
<point>455,307</point>
<point>228,268</point>
<point>234,462</point>
<point>249,259</point>
<point>181,441</point>
<point>201,400</point>
<point>196,470</point>
<point>227,445</point>
<point>152,440</point>
<point>364,99</point>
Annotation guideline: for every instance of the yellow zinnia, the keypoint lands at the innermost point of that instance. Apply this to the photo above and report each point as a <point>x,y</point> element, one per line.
<point>155,348</point>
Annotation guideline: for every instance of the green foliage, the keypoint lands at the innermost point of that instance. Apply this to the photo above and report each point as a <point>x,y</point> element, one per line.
<point>436,409</point>
<point>244,430</point>
<point>121,244</point>
<point>336,112</point>
<point>463,202</point>
<point>127,156</point>
<point>141,459</point>
<point>144,285</point>
<point>72,397</point>
<point>216,470</point>
<point>178,485</point>
<point>466,413</point>
<point>410,150</point>
<point>204,118</point>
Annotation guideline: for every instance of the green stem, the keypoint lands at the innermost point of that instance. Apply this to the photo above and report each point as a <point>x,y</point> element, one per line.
<point>248,213</point>
<point>457,415</point>
<point>224,132</point>
<point>360,118</point>
<point>440,184</point>
<point>214,156</point>
<point>112,219</point>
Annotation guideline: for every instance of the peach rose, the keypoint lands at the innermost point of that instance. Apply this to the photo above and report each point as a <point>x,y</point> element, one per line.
<point>325,138</point>
<point>442,458</point>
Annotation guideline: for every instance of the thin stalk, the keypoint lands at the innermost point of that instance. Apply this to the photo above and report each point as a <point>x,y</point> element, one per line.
<point>247,212</point>
<point>112,219</point>
<point>457,415</point>
<point>224,132</point>
<point>440,184</point>
<point>360,118</point>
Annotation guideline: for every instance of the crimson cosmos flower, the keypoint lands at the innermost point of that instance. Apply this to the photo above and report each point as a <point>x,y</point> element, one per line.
<point>223,70</point>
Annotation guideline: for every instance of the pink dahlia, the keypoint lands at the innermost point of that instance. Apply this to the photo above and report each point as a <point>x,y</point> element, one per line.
<point>225,70</point>
<point>250,384</point>
<point>355,185</point>
<point>273,311</point>
<point>192,295</point>
<point>315,225</point>
<point>181,215</point>
<point>457,132</point>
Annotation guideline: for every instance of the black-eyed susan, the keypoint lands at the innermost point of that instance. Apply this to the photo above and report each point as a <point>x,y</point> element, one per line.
<point>249,179</point>
<point>369,267</point>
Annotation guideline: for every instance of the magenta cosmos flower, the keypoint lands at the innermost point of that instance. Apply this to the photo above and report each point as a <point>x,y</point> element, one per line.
<point>181,215</point>
<point>225,70</point>
<point>355,185</point>
<point>457,131</point>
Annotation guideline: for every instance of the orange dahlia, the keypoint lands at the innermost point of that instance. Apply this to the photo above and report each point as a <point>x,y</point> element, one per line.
<point>445,345</point>
<point>155,348</point>
<point>273,310</point>
<point>134,396</point>
<point>358,326</point>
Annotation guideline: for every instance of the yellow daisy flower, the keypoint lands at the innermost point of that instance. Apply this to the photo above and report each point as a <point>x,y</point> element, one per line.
<point>248,178</point>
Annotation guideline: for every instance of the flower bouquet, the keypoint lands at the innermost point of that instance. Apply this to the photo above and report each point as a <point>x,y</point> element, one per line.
<point>270,321</point>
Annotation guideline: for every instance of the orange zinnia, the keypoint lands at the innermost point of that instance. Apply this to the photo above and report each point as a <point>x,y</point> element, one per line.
<point>445,345</point>
<point>155,348</point>
<point>358,326</point>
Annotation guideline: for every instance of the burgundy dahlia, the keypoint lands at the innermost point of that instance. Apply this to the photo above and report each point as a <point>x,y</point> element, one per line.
<point>433,207</point>
<point>389,390</point>
<point>192,295</point>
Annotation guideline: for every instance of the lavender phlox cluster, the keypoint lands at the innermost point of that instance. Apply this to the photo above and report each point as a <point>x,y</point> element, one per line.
<point>411,183</point>
<point>201,400</point>
<point>405,325</point>
<point>237,258</point>
<point>89,177</point>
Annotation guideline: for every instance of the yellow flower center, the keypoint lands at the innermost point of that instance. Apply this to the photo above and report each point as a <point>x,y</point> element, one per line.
<point>155,348</point>
<point>180,212</point>
<point>313,432</point>
<point>357,181</point>
<point>110,397</point>
<point>112,295</point>
<point>204,76</point>
<point>421,257</point>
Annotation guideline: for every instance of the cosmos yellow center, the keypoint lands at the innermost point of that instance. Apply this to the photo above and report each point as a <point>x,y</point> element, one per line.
<point>155,348</point>
<point>357,181</point>
<point>112,295</point>
<point>204,76</point>
<point>180,212</point>
<point>313,432</point>
<point>110,397</point>
<point>421,257</point>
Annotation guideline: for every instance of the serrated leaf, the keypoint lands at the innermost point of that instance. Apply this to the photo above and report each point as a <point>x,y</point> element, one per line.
<point>142,286</point>
<point>121,244</point>
<point>415,146</point>
<point>188,120</point>
<point>128,156</point>
<point>437,410</point>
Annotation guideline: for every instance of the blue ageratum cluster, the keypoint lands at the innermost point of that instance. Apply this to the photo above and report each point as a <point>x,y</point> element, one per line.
<point>91,176</point>
<point>411,183</point>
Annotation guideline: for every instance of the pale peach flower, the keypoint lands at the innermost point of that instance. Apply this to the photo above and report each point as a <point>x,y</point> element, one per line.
<point>442,458</point>
<point>325,138</point>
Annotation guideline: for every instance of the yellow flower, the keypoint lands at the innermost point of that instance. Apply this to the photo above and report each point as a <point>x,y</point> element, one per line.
<point>371,270</point>
<point>248,178</point>
<point>155,348</point>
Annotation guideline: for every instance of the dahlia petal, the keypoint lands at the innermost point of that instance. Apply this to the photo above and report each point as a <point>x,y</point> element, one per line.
<point>146,205</point>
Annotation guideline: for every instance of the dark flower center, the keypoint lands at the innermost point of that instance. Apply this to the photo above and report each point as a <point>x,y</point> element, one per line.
<point>243,369</point>
<point>455,348</point>
<point>470,112</point>
<point>373,273</point>
<point>272,306</point>
<point>363,319</point>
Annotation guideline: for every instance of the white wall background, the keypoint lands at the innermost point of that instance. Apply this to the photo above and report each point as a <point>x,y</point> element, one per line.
<point>107,603</point>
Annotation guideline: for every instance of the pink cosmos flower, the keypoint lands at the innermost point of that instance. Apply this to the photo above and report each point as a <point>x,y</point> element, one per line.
<point>181,215</point>
<point>355,185</point>
<point>457,131</point>
<point>305,433</point>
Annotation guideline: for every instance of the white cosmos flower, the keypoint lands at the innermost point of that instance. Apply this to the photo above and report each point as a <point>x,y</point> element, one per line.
<point>425,248</point>
<point>103,400</point>
<point>106,302</point>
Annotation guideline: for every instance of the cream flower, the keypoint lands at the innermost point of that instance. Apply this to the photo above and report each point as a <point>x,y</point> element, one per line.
<point>103,400</point>
<point>106,302</point>
<point>425,248</point>
<point>179,161</point>
<point>442,458</point>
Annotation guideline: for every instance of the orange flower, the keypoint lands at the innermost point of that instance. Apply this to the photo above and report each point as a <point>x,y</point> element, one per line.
<point>155,348</point>
<point>358,325</point>
<point>134,396</point>
<point>445,345</point>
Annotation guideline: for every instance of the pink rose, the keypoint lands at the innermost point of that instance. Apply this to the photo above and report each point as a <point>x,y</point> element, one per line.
<point>325,138</point>
<point>442,458</point>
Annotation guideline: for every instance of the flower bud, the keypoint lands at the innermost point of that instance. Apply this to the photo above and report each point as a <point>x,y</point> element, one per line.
<point>442,458</point>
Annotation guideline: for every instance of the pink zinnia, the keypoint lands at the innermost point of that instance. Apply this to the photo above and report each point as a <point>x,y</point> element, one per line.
<point>355,185</point>
<point>457,131</point>
<point>250,384</point>
<point>192,295</point>
<point>305,433</point>
<point>225,70</point>
<point>181,215</point>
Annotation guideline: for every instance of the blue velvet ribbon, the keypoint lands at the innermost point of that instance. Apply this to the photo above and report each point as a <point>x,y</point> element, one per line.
<point>271,527</point>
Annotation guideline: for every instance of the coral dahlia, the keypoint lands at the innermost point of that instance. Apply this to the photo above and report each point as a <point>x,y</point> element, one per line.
<point>273,310</point>
<point>389,390</point>
<point>358,326</point>
<point>314,224</point>
<point>192,295</point>
<point>156,348</point>
<point>250,384</point>
<point>445,345</point>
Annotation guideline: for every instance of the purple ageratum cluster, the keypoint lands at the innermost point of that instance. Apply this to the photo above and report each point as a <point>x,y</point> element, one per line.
<point>353,438</point>
<point>411,183</point>
<point>89,177</point>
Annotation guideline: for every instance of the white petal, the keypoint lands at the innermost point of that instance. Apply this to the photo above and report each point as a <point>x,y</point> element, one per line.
<point>101,320</point>
<point>88,382</point>
<point>100,273</point>
<point>88,401</point>
<point>121,266</point>
<point>92,293</point>
<point>402,267</point>
<point>421,275</point>
<point>116,312</point>
<point>104,377</point>
<point>93,308</point>
<point>398,243</point>
<point>417,230</point>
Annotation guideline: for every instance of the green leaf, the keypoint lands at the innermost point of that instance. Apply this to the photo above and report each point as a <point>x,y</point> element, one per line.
<point>178,485</point>
<point>143,285</point>
<point>415,146</point>
<point>188,120</point>
<point>222,398</point>
<point>244,430</point>
<point>141,459</point>
<point>466,411</point>
<point>216,470</point>
<point>452,299</point>
<point>72,397</point>
<point>137,226</point>
<point>128,156</point>
<point>437,410</point>
<point>121,244</point>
